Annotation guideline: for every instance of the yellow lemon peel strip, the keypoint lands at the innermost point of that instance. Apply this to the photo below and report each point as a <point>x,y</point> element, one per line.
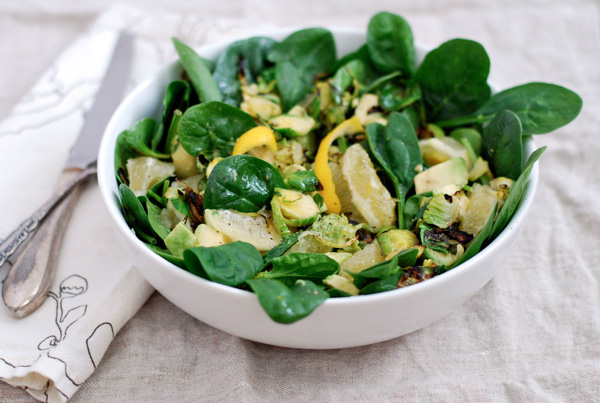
<point>322,170</point>
<point>255,137</point>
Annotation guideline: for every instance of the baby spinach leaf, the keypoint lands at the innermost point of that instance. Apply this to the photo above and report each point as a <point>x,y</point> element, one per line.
<point>281,248</point>
<point>134,212</point>
<point>305,181</point>
<point>248,56</point>
<point>230,264</point>
<point>165,254</point>
<point>361,54</point>
<point>310,266</point>
<point>123,152</point>
<point>154,219</point>
<point>299,58</point>
<point>472,136</point>
<point>515,194</point>
<point>177,97</point>
<point>211,129</point>
<point>391,44</point>
<point>395,96</point>
<point>396,148</point>
<point>476,244</point>
<point>388,283</point>
<point>173,133</point>
<point>541,107</point>
<point>198,71</point>
<point>354,71</point>
<point>453,79</point>
<point>243,183</point>
<point>385,269</point>
<point>284,304</point>
<point>292,85</point>
<point>502,144</point>
<point>140,136</point>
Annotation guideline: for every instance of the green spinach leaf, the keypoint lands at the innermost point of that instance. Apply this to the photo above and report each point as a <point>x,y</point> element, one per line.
<point>287,305</point>
<point>198,71</point>
<point>154,219</point>
<point>515,194</point>
<point>165,254</point>
<point>299,58</point>
<point>177,97</point>
<point>140,136</point>
<point>391,44</point>
<point>243,183</point>
<point>353,72</point>
<point>248,56</point>
<point>309,266</point>
<point>541,107</point>
<point>135,215</point>
<point>388,283</point>
<point>453,79</point>
<point>395,96</point>
<point>230,264</point>
<point>396,148</point>
<point>211,129</point>
<point>281,248</point>
<point>502,145</point>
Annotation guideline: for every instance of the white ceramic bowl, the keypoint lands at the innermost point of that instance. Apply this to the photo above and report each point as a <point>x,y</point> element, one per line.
<point>337,323</point>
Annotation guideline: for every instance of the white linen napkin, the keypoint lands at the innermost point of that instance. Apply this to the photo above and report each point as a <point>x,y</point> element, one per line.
<point>96,290</point>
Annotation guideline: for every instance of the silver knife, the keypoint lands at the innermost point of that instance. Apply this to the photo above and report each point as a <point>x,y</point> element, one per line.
<point>30,277</point>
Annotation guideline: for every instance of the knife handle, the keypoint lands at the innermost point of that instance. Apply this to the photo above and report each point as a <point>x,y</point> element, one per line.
<point>29,279</point>
<point>17,238</point>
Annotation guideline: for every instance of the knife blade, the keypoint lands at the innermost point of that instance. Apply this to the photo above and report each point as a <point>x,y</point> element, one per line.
<point>30,277</point>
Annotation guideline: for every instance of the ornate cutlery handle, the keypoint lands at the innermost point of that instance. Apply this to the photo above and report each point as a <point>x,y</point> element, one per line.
<point>16,238</point>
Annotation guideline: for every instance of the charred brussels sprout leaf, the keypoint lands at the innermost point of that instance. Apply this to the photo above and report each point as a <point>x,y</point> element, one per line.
<point>288,304</point>
<point>453,79</point>
<point>299,58</point>
<point>243,183</point>
<point>249,57</point>
<point>502,145</point>
<point>390,43</point>
<point>230,264</point>
<point>211,129</point>
<point>305,181</point>
<point>198,71</point>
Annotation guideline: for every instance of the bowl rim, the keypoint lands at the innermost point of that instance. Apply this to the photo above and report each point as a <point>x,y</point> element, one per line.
<point>106,154</point>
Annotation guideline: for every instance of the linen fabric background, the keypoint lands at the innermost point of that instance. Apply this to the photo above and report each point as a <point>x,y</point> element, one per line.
<point>531,334</point>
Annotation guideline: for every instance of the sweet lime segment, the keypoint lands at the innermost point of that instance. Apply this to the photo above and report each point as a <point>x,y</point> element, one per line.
<point>363,259</point>
<point>483,199</point>
<point>145,172</point>
<point>369,196</point>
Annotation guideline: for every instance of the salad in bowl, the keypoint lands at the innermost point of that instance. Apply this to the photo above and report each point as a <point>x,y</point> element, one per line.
<point>281,169</point>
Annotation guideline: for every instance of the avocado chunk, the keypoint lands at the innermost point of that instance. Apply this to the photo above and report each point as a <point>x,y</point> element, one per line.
<point>341,283</point>
<point>451,172</point>
<point>180,239</point>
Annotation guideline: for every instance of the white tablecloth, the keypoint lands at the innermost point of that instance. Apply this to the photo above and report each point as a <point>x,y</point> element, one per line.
<point>532,334</point>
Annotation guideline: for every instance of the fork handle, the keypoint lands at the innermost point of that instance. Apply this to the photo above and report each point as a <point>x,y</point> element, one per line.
<point>29,279</point>
<point>68,179</point>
